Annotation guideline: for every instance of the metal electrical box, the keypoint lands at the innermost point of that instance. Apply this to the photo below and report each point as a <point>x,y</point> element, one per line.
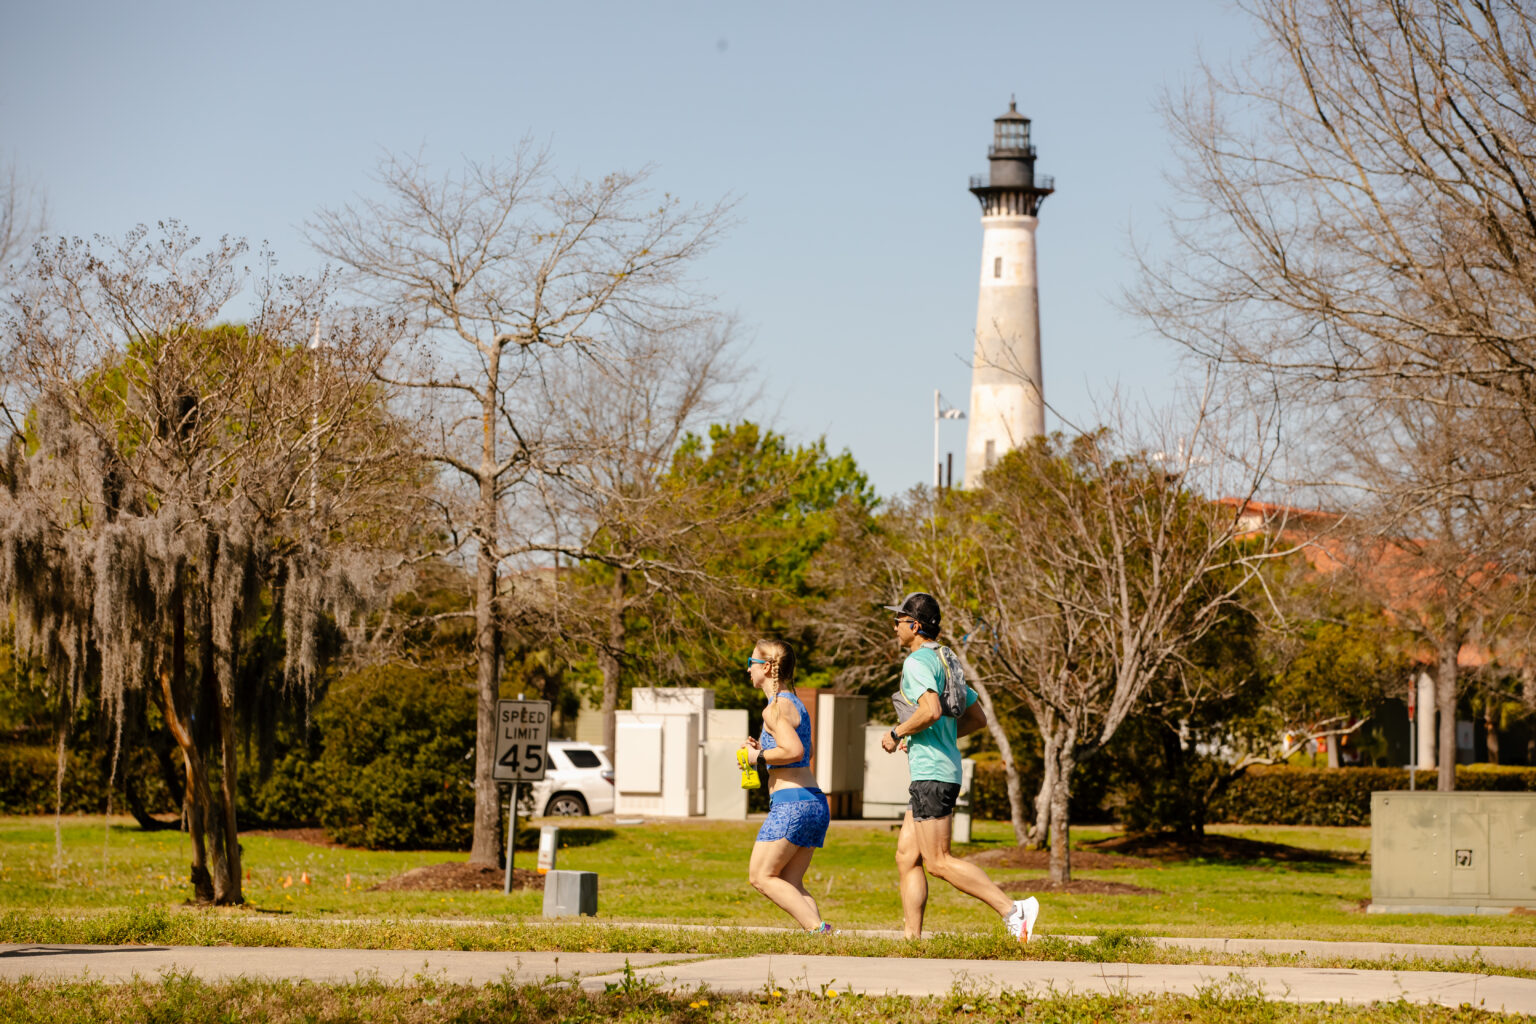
<point>839,746</point>
<point>886,777</point>
<point>1452,853</point>
<point>570,894</point>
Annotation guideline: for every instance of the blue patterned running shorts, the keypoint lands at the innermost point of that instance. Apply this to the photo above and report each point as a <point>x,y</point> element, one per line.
<point>797,814</point>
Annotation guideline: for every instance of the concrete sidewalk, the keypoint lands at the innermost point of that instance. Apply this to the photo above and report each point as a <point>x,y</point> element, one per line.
<point>755,974</point>
<point>1523,957</point>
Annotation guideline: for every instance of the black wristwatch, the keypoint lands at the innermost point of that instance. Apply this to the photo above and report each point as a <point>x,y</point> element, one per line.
<point>894,736</point>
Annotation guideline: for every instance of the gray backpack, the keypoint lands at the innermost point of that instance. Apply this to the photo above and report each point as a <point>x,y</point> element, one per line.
<point>952,697</point>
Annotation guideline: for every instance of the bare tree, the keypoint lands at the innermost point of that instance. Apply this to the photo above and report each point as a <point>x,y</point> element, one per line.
<point>1439,533</point>
<point>1358,200</point>
<point>917,542</point>
<point>498,268</point>
<point>1078,573</point>
<point>1358,232</point>
<point>618,422</point>
<point>1096,569</point>
<point>165,471</point>
<point>23,216</point>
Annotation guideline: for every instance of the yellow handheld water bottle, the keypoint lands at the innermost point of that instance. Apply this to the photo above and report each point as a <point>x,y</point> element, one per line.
<point>749,779</point>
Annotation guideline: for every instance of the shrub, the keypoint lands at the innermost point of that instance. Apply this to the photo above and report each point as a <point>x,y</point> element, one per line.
<point>989,793</point>
<point>28,775</point>
<point>290,796</point>
<point>394,772</point>
<point>1284,795</point>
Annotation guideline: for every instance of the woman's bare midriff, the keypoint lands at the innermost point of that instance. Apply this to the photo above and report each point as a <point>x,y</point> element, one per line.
<point>799,777</point>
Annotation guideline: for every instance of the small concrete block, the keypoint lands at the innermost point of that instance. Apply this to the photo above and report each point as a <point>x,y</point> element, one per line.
<point>570,893</point>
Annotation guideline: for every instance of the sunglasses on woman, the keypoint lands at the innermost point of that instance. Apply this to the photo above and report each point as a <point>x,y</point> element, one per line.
<point>756,661</point>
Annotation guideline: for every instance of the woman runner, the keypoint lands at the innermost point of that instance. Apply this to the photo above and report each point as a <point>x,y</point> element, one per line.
<point>798,813</point>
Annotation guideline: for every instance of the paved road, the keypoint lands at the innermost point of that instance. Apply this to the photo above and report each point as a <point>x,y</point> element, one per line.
<point>868,975</point>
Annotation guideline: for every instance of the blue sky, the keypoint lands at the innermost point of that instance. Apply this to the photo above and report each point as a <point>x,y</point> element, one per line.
<point>847,132</point>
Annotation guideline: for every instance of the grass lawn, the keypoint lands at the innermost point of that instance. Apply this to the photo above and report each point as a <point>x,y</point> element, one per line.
<point>189,1001</point>
<point>694,872</point>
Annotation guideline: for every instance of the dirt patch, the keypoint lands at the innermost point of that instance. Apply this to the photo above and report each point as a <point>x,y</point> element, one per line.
<point>313,836</point>
<point>1212,847</point>
<point>459,876</point>
<point>1078,885</point>
<point>1040,860</point>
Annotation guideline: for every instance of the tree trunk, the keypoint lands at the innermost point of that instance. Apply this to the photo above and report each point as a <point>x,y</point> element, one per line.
<point>1011,781</point>
<point>1333,749</point>
<point>1445,703</point>
<point>227,885</point>
<point>485,848</point>
<point>611,663</point>
<point>1219,785</point>
<point>145,820</point>
<point>209,738</point>
<point>1528,698</point>
<point>61,755</point>
<point>1491,708</point>
<point>172,682</point>
<point>1061,824</point>
<point>219,697</point>
<point>1040,835</point>
<point>1175,811</point>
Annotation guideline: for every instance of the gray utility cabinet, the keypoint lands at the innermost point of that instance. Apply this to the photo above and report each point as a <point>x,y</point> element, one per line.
<point>1452,853</point>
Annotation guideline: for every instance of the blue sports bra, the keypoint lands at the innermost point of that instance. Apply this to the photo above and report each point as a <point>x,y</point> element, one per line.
<point>803,730</point>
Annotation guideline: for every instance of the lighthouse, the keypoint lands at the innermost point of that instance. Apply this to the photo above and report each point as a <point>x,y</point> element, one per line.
<point>1007,400</point>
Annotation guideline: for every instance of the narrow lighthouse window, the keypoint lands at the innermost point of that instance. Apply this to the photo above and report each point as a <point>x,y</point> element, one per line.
<point>991,454</point>
<point>997,266</point>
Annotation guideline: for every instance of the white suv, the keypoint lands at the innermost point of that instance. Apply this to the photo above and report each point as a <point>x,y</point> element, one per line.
<point>577,781</point>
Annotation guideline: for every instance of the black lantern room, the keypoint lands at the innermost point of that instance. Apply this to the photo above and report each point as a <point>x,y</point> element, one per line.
<point>1011,188</point>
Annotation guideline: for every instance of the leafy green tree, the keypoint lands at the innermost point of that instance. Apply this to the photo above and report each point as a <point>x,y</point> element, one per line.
<point>721,555</point>
<point>1332,663</point>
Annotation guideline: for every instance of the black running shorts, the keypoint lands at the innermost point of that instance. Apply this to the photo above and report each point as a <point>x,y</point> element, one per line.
<point>932,800</point>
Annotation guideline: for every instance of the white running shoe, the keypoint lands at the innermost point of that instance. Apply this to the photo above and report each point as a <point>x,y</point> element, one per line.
<point>1020,921</point>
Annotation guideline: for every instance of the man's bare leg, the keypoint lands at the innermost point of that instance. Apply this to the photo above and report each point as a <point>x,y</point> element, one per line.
<point>911,879</point>
<point>933,849</point>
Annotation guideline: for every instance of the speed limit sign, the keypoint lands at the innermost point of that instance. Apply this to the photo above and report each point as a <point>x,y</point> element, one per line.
<point>522,740</point>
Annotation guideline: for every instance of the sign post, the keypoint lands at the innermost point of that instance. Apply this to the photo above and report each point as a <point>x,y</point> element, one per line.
<point>522,755</point>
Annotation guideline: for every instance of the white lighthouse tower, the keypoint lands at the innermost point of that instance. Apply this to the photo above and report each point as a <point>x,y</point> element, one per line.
<point>1007,400</point>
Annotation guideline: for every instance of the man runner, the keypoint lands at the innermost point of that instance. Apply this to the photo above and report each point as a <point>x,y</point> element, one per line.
<point>933,758</point>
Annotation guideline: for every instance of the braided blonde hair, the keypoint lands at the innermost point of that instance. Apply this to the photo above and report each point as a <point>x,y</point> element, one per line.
<point>781,663</point>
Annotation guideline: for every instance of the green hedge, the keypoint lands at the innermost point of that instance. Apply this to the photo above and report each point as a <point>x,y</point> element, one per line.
<point>989,793</point>
<point>1281,795</point>
<point>1277,795</point>
<point>28,775</point>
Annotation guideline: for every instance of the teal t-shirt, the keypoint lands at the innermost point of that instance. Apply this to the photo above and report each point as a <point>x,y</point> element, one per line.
<point>933,754</point>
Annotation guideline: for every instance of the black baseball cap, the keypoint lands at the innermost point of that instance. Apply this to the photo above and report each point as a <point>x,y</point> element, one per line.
<point>922,607</point>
